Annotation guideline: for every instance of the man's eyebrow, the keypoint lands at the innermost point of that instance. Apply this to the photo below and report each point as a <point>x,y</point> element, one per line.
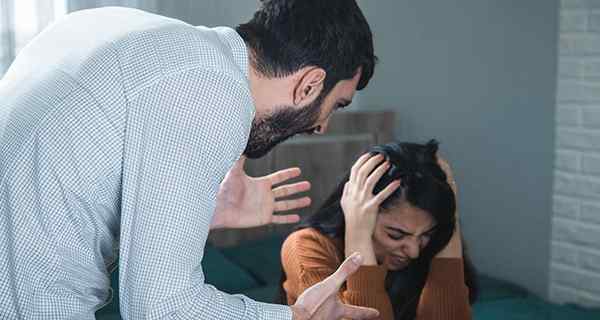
<point>410,234</point>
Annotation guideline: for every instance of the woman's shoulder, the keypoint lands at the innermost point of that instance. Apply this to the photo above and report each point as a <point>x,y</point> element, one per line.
<point>310,245</point>
<point>308,237</point>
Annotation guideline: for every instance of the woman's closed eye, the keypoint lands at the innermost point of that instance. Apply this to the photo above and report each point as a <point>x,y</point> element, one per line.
<point>400,235</point>
<point>397,236</point>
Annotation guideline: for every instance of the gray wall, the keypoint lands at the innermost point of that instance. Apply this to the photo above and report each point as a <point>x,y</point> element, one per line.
<point>480,76</point>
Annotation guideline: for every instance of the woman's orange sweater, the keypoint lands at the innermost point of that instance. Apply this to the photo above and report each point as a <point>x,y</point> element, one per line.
<point>309,257</point>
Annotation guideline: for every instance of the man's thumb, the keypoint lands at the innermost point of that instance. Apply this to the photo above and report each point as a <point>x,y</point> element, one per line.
<point>239,164</point>
<point>348,267</point>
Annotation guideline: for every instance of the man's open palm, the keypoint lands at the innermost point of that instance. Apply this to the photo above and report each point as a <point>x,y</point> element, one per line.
<point>245,202</point>
<point>322,302</point>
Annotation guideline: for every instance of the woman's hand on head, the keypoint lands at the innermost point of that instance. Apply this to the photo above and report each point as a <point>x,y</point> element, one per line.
<point>448,171</point>
<point>360,205</point>
<point>454,247</point>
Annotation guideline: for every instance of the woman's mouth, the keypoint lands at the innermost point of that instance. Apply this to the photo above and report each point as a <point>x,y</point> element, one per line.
<point>397,260</point>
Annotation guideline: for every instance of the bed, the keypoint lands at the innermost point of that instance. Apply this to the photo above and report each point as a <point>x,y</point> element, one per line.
<point>254,269</point>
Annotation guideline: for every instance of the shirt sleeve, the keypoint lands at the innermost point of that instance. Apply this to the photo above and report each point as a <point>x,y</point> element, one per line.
<point>183,133</point>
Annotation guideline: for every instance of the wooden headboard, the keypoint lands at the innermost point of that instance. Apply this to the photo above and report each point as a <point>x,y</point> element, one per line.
<point>323,160</point>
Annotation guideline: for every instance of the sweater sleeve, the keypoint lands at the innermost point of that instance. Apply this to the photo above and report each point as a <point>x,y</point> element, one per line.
<point>445,295</point>
<point>309,257</point>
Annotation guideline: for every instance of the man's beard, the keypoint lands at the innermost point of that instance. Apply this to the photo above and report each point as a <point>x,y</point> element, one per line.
<point>284,123</point>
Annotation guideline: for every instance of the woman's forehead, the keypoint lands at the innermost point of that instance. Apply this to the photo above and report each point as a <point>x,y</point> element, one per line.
<point>407,217</point>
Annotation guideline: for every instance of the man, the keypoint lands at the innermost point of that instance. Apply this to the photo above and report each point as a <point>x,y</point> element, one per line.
<point>120,125</point>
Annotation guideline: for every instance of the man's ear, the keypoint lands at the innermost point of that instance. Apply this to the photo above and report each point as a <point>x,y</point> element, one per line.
<point>309,84</point>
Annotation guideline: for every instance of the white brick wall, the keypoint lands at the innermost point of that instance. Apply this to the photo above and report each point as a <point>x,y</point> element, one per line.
<point>575,256</point>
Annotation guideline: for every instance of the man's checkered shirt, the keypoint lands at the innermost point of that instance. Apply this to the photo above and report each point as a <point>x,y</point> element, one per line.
<point>117,126</point>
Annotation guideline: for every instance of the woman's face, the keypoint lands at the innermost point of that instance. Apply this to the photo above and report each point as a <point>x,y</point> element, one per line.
<point>400,234</point>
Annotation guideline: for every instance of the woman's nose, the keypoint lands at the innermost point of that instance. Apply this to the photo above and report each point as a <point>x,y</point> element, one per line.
<point>412,248</point>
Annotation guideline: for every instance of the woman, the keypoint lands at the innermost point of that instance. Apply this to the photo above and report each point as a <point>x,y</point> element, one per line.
<point>396,207</point>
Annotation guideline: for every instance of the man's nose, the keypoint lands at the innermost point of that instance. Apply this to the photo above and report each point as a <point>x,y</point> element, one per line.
<point>322,127</point>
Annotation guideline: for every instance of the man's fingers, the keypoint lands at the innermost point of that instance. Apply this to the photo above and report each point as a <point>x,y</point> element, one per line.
<point>239,164</point>
<point>323,292</point>
<point>283,175</point>
<point>285,219</point>
<point>348,267</point>
<point>358,313</point>
<point>285,205</point>
<point>291,189</point>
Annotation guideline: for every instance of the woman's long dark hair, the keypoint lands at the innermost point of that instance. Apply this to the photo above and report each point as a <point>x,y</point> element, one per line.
<point>423,185</point>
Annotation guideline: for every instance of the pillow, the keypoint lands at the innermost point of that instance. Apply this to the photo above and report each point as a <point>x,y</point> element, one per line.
<point>262,258</point>
<point>268,294</point>
<point>224,274</point>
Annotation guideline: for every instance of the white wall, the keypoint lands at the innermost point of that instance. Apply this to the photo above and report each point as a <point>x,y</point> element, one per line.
<point>575,264</point>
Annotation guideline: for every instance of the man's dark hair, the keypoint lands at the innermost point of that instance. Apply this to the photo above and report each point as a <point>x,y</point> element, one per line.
<point>287,35</point>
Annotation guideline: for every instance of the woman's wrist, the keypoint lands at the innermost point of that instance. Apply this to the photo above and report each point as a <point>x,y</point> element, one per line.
<point>361,243</point>
<point>357,232</point>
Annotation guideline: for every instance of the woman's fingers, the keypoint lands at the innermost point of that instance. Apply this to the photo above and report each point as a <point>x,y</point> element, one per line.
<point>386,192</point>
<point>367,168</point>
<point>285,205</point>
<point>291,189</point>
<point>375,176</point>
<point>356,166</point>
<point>445,166</point>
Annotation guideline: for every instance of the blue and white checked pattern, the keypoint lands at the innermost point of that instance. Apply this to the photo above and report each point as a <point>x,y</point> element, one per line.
<point>116,127</point>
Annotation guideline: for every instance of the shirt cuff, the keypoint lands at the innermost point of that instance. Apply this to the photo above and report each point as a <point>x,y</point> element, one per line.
<point>368,278</point>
